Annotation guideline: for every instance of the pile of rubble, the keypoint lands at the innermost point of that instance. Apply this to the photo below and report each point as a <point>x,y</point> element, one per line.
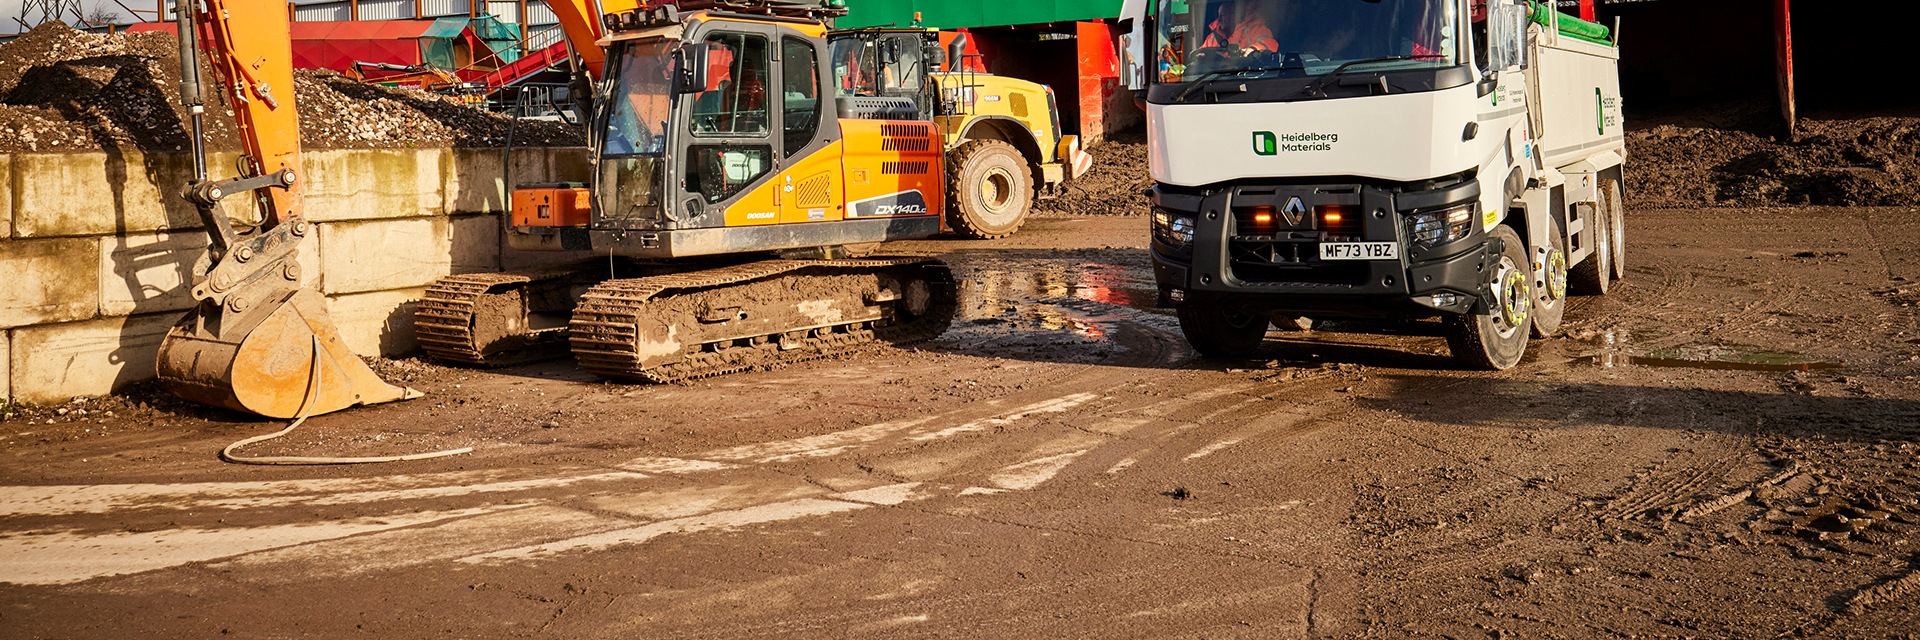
<point>63,90</point>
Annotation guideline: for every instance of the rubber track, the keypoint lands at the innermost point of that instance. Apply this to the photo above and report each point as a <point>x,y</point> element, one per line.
<point>602,330</point>
<point>445,319</point>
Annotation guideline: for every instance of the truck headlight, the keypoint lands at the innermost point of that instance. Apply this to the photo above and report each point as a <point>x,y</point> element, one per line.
<point>1172,228</point>
<point>1441,227</point>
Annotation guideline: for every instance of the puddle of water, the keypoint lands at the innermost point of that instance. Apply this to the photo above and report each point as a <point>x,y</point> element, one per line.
<point>1075,303</point>
<point>1725,357</point>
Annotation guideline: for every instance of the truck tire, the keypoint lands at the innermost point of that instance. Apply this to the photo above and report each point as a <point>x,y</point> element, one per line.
<point>1221,333</point>
<point>1593,275</point>
<point>989,189</point>
<point>1550,284</point>
<point>1616,203</point>
<point>1496,338</point>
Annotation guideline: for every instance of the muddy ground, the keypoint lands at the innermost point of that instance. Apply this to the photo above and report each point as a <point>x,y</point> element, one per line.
<point>1725,446</point>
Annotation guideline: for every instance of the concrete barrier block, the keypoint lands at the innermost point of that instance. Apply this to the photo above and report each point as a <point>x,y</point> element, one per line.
<point>378,323</point>
<point>474,182</point>
<point>58,362</point>
<point>6,366</point>
<point>358,184</point>
<point>380,255</point>
<point>148,272</point>
<point>476,244</point>
<point>6,196</point>
<point>55,280</point>
<point>78,194</point>
<point>569,164</point>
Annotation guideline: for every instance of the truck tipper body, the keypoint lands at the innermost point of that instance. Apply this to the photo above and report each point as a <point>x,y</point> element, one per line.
<point>1394,159</point>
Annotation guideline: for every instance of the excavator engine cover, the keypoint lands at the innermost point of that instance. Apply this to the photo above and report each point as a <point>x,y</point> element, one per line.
<point>264,362</point>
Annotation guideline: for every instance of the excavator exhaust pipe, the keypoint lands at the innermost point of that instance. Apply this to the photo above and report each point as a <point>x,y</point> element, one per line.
<point>269,367</point>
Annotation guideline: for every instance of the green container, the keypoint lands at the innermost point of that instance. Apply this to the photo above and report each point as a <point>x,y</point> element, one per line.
<point>1570,26</point>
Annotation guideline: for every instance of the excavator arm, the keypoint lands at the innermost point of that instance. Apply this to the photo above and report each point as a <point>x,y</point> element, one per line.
<point>258,341</point>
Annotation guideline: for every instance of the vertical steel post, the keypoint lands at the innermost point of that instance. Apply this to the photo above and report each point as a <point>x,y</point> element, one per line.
<point>1783,60</point>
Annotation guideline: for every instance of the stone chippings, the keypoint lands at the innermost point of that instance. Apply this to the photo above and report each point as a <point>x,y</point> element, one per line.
<point>63,90</point>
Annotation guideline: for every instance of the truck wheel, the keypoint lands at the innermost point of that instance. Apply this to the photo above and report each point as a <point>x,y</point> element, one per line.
<point>1616,203</point>
<point>988,189</point>
<point>1591,277</point>
<point>1550,284</point>
<point>1220,333</point>
<point>1495,339</point>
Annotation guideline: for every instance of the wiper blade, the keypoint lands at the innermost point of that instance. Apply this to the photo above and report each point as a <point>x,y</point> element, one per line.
<point>1211,76</point>
<point>1321,84</point>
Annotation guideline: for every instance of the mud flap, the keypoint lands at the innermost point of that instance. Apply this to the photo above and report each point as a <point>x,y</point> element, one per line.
<point>268,368</point>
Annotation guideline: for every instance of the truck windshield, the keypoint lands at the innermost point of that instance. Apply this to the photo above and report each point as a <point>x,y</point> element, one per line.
<point>632,167</point>
<point>1293,38</point>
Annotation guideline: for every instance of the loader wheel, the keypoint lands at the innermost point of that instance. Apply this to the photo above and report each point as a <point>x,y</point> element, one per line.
<point>1220,333</point>
<point>1593,275</point>
<point>989,189</point>
<point>1550,284</point>
<point>1616,204</point>
<point>1496,337</point>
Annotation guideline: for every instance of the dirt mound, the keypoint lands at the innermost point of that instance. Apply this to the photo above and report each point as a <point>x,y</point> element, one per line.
<point>1732,159</point>
<point>1113,185</point>
<point>67,90</point>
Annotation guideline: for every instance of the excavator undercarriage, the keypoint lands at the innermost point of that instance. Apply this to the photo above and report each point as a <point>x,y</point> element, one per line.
<point>692,323</point>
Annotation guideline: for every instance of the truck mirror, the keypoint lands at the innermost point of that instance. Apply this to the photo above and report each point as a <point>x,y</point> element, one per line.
<point>693,69</point>
<point>890,51</point>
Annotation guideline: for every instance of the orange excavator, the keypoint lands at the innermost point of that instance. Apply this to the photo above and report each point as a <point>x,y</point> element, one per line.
<point>258,341</point>
<point>733,196</point>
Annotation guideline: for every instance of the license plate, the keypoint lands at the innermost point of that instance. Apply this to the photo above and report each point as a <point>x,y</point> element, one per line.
<point>1359,251</point>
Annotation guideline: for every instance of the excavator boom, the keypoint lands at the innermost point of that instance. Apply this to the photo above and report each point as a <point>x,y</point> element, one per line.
<point>257,341</point>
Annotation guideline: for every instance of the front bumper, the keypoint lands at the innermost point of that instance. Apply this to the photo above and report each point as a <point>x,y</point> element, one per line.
<point>1278,270</point>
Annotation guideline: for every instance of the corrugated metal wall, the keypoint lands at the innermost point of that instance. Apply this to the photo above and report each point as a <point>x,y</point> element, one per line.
<point>386,9</point>
<point>331,11</point>
<point>439,8</point>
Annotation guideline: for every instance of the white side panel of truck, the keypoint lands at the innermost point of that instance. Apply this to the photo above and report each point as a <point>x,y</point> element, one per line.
<point>1580,99</point>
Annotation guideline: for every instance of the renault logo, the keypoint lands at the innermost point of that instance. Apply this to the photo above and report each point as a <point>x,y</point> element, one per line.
<point>1295,211</point>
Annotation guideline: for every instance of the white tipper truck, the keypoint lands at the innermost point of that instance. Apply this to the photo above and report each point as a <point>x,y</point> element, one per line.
<point>1382,159</point>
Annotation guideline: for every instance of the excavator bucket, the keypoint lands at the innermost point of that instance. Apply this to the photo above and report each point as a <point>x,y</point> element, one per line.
<point>270,368</point>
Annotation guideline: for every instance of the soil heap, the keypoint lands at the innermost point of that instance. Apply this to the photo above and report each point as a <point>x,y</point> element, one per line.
<point>1730,155</point>
<point>63,90</point>
<point>1112,186</point>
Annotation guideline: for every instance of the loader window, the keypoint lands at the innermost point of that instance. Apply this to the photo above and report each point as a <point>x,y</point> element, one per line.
<point>800,87</point>
<point>853,67</point>
<point>734,102</point>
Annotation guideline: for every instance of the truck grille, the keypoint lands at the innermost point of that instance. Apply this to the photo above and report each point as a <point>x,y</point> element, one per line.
<point>1288,260</point>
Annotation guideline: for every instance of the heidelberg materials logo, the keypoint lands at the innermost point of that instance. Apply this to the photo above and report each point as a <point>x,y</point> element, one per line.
<point>1266,143</point>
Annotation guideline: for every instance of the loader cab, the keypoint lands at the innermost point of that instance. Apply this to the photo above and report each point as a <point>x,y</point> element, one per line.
<point>887,63</point>
<point>699,113</point>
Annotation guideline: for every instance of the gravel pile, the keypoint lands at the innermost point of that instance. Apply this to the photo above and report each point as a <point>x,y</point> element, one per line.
<point>63,90</point>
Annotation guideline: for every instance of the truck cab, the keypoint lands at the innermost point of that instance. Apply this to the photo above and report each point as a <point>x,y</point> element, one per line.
<point>1393,159</point>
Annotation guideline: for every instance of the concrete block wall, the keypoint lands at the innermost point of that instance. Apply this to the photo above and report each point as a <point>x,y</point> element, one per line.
<point>97,250</point>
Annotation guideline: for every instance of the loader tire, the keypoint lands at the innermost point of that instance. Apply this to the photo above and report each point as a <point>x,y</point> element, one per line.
<point>989,189</point>
<point>1494,336</point>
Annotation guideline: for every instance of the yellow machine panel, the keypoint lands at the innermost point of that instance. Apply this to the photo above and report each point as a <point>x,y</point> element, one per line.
<point>806,191</point>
